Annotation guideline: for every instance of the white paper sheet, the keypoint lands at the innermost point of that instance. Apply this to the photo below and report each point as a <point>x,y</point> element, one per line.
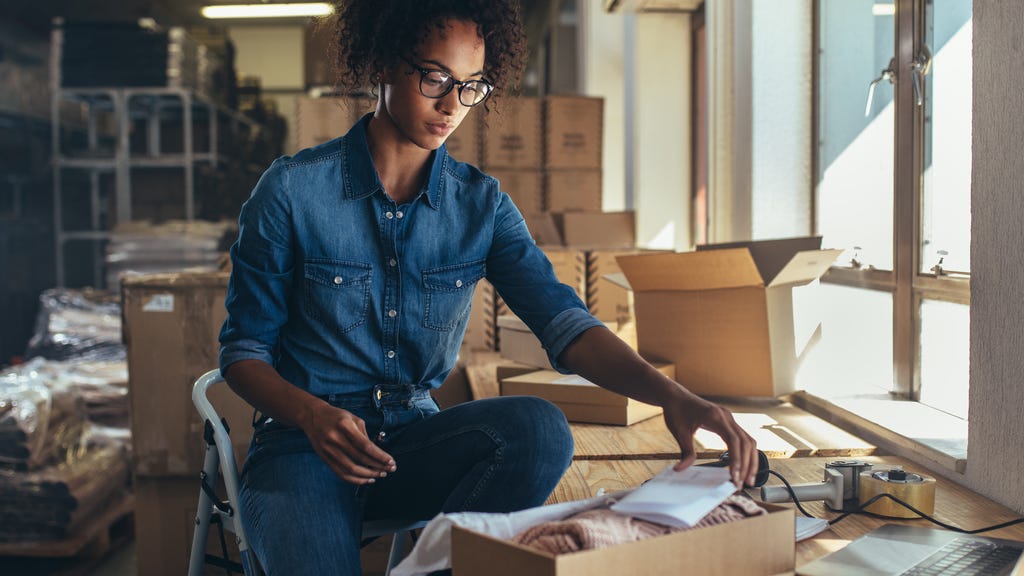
<point>680,498</point>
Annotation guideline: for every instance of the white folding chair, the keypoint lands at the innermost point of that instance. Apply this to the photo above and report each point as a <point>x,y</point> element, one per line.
<point>227,513</point>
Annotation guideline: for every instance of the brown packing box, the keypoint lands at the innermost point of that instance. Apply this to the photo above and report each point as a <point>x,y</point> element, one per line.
<point>520,345</point>
<point>583,401</point>
<point>606,300</point>
<point>573,127</point>
<point>724,316</point>
<point>318,120</point>
<point>525,186</point>
<point>766,542</point>
<point>572,190</point>
<point>480,331</point>
<point>464,144</point>
<point>171,322</point>
<point>598,230</point>
<point>542,228</point>
<point>570,268</point>
<point>512,135</point>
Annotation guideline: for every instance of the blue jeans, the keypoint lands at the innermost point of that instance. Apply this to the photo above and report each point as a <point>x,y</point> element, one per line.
<point>494,455</point>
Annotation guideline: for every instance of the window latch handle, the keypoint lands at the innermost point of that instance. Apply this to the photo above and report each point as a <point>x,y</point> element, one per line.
<point>919,67</point>
<point>887,74</point>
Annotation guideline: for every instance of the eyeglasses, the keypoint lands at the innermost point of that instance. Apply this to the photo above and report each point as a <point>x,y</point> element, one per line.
<point>438,83</point>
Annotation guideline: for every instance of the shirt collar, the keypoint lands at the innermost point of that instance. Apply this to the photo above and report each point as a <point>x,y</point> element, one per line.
<point>359,176</point>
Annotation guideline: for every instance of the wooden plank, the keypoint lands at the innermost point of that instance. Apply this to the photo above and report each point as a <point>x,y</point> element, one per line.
<point>585,478</point>
<point>86,540</point>
<point>781,430</point>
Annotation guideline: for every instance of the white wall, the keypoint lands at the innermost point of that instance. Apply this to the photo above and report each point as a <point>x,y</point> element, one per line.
<point>640,64</point>
<point>781,113</point>
<point>996,427</point>
<point>276,54</point>
<point>662,131</point>
<point>601,52</point>
<point>759,126</point>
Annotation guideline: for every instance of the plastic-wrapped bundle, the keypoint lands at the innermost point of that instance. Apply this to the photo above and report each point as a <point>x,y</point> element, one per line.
<point>80,324</point>
<point>54,502</point>
<point>38,425</point>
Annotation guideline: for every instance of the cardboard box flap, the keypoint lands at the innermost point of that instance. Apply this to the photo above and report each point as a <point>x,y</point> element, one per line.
<point>512,322</point>
<point>619,279</point>
<point>771,256</point>
<point>805,267</point>
<point>727,268</point>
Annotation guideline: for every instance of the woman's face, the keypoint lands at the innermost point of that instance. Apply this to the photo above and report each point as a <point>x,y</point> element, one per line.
<point>456,49</point>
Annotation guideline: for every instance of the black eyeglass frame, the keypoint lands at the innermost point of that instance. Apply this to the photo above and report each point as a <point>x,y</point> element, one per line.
<point>452,83</point>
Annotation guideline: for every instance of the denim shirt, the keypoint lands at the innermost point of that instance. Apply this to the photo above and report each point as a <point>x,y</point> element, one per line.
<point>343,290</point>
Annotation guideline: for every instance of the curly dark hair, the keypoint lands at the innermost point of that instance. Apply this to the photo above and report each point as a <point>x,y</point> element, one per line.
<point>373,34</point>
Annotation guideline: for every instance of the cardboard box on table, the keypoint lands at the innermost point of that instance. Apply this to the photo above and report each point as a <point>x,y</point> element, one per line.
<point>318,120</point>
<point>583,401</point>
<point>724,314</point>
<point>766,545</point>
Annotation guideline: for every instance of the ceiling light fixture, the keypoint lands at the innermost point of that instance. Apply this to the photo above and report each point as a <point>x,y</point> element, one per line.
<point>882,9</point>
<point>222,11</point>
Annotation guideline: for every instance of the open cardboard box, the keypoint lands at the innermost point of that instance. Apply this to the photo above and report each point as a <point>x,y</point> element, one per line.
<point>756,546</point>
<point>581,400</point>
<point>724,314</point>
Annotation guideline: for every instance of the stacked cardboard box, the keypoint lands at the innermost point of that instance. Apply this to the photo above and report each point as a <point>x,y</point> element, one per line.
<point>318,120</point>
<point>171,322</point>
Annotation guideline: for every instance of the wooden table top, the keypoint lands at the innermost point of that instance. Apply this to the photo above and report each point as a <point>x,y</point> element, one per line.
<point>954,504</point>
<point>781,430</point>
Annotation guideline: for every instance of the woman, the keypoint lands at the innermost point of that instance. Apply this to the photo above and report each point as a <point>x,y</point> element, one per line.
<point>352,279</point>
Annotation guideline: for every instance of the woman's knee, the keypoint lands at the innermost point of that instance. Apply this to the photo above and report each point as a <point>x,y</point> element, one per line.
<point>542,427</point>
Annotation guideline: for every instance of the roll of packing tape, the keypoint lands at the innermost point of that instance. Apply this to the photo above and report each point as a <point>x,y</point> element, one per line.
<point>914,489</point>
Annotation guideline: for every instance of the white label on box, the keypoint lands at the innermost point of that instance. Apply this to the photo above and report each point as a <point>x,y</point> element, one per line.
<point>574,380</point>
<point>159,303</point>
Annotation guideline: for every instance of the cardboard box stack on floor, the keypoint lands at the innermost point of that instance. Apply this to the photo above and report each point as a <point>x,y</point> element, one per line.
<point>318,120</point>
<point>171,322</point>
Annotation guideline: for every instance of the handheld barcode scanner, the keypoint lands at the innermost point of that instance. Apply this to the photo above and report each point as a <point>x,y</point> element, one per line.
<point>762,467</point>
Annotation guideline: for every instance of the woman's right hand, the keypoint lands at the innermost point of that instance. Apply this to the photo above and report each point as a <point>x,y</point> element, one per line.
<point>340,438</point>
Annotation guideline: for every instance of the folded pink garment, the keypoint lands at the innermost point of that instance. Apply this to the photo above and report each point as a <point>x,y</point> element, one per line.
<point>601,527</point>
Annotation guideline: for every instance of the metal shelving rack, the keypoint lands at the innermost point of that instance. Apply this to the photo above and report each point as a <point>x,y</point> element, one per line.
<point>125,105</point>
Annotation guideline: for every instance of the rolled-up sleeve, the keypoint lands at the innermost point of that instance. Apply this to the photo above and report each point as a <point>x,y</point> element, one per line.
<point>525,279</point>
<point>261,274</point>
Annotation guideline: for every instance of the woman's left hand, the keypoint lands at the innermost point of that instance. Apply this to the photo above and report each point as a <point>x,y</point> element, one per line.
<point>690,412</point>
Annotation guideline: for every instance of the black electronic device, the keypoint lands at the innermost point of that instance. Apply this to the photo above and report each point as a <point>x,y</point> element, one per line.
<point>762,467</point>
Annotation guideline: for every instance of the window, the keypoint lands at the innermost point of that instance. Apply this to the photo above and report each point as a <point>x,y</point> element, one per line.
<point>892,187</point>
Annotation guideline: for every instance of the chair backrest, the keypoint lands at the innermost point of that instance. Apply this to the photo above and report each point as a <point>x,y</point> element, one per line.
<point>222,462</point>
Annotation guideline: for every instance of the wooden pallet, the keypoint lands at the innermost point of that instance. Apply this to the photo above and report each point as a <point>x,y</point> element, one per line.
<point>77,554</point>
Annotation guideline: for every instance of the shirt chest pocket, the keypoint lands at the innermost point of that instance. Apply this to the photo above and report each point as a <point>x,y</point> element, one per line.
<point>448,294</point>
<point>337,292</point>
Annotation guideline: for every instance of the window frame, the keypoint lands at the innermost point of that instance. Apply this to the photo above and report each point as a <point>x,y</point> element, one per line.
<point>905,282</point>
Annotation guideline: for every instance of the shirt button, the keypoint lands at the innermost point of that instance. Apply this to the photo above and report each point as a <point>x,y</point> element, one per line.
<point>378,394</point>
<point>458,283</point>
<point>391,353</point>
<point>392,313</point>
<point>392,262</point>
<point>381,435</point>
<point>337,280</point>
<point>389,215</point>
<point>399,214</point>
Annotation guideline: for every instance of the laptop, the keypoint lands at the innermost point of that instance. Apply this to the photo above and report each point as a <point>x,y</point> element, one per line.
<point>895,549</point>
